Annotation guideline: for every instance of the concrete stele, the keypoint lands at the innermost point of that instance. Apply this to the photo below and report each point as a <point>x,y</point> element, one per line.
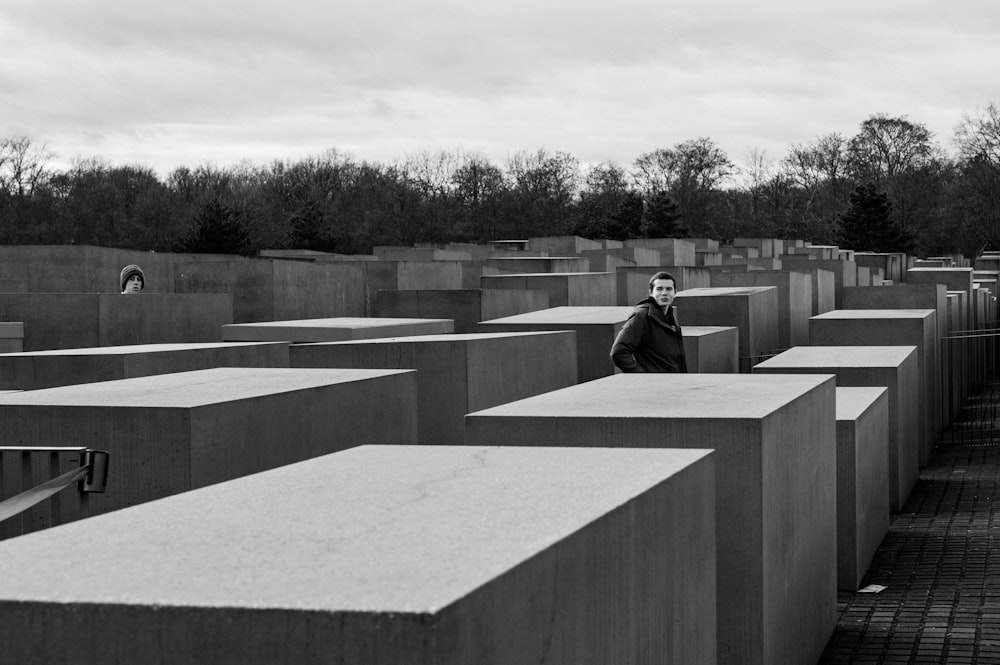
<point>862,481</point>
<point>336,329</point>
<point>775,442</point>
<point>170,433</point>
<point>33,370</point>
<point>458,373</point>
<point>432,556</point>
<point>753,310</point>
<point>885,327</point>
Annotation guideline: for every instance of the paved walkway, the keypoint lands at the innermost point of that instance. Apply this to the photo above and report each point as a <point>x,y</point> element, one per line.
<point>940,564</point>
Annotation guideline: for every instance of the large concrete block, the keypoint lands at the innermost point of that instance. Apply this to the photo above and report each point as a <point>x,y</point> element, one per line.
<point>539,264</point>
<point>895,368</point>
<point>794,300</point>
<point>77,320</point>
<point>887,327</point>
<point>563,245</point>
<point>673,252</point>
<point>595,328</point>
<point>890,264</point>
<point>582,289</point>
<point>11,336</point>
<point>775,442</point>
<point>276,289</point>
<point>457,374</point>
<point>174,432</point>
<point>767,247</point>
<point>432,556</point>
<point>822,282</point>
<point>712,349</point>
<point>466,307</point>
<point>336,329</point>
<point>418,254</point>
<point>33,370</point>
<point>753,310</point>
<point>633,283</point>
<point>862,481</point>
<point>845,273</point>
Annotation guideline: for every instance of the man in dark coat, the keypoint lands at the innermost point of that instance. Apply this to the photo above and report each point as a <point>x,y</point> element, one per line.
<point>651,339</point>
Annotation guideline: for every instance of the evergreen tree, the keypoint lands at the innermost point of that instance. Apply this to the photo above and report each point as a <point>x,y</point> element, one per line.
<point>661,219</point>
<point>867,225</point>
<point>216,230</point>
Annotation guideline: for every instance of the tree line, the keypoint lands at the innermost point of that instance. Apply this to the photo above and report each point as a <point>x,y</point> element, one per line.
<point>889,187</point>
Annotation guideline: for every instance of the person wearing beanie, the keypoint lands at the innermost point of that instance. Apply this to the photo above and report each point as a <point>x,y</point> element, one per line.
<point>132,279</point>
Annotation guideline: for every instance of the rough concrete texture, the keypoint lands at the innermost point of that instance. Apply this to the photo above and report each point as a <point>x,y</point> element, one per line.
<point>276,289</point>
<point>954,279</point>
<point>845,273</point>
<point>563,245</point>
<point>794,299</point>
<point>457,374</point>
<point>536,264</point>
<point>894,367</point>
<point>33,370</point>
<point>633,283</point>
<point>862,481</point>
<point>336,329</point>
<point>466,307</point>
<point>565,289</point>
<point>712,349</point>
<point>595,328</point>
<point>775,442</point>
<point>753,310</point>
<point>77,320</point>
<point>886,327</point>
<point>442,555</point>
<point>673,252</point>
<point>174,432</point>
<point>11,336</point>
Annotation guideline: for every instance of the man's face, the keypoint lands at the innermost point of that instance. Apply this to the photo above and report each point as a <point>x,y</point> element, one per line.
<point>133,284</point>
<point>663,292</point>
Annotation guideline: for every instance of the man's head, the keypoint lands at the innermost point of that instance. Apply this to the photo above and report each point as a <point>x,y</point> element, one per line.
<point>662,289</point>
<point>132,279</point>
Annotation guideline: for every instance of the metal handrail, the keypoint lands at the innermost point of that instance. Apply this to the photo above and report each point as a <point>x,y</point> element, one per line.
<point>91,477</point>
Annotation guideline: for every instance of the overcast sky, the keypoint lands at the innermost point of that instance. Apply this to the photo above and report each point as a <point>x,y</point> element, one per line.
<point>188,82</point>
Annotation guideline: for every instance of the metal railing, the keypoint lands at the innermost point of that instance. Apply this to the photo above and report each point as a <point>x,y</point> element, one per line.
<point>32,480</point>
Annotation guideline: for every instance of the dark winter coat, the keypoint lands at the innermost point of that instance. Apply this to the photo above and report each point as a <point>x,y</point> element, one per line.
<point>650,341</point>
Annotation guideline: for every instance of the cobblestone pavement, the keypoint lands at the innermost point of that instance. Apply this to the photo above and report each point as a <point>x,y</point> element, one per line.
<point>940,564</point>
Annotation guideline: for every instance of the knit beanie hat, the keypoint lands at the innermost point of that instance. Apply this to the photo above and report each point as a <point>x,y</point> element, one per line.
<point>130,270</point>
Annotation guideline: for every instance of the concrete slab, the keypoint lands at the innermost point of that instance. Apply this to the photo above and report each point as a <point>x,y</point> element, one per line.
<point>890,264</point>
<point>276,289</point>
<point>673,251</point>
<point>335,329</point>
<point>78,320</point>
<point>595,328</point>
<point>712,349</point>
<point>845,273</point>
<point>33,370</point>
<point>775,442</point>
<point>466,307</point>
<point>753,310</point>
<point>539,264</point>
<point>457,374</point>
<point>400,565</point>
<point>886,327</point>
<point>633,283</point>
<point>580,289</point>
<point>895,368</point>
<point>862,481</point>
<point>11,336</point>
<point>174,432</point>
<point>822,282</point>
<point>794,299</point>
<point>563,245</point>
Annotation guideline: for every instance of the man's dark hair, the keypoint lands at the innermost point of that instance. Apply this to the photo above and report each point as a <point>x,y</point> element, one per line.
<point>661,275</point>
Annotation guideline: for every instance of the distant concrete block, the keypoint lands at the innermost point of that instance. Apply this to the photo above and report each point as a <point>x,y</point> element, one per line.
<point>11,337</point>
<point>336,329</point>
<point>457,374</point>
<point>775,442</point>
<point>712,349</point>
<point>845,273</point>
<point>633,283</point>
<point>174,432</point>
<point>886,327</point>
<point>595,328</point>
<point>563,245</point>
<point>581,289</point>
<point>752,310</point>
<point>432,556</point>
<point>466,307</point>
<point>894,367</point>
<point>539,264</point>
<point>673,251</point>
<point>794,299</point>
<point>862,496</point>
<point>33,370</point>
<point>79,320</point>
